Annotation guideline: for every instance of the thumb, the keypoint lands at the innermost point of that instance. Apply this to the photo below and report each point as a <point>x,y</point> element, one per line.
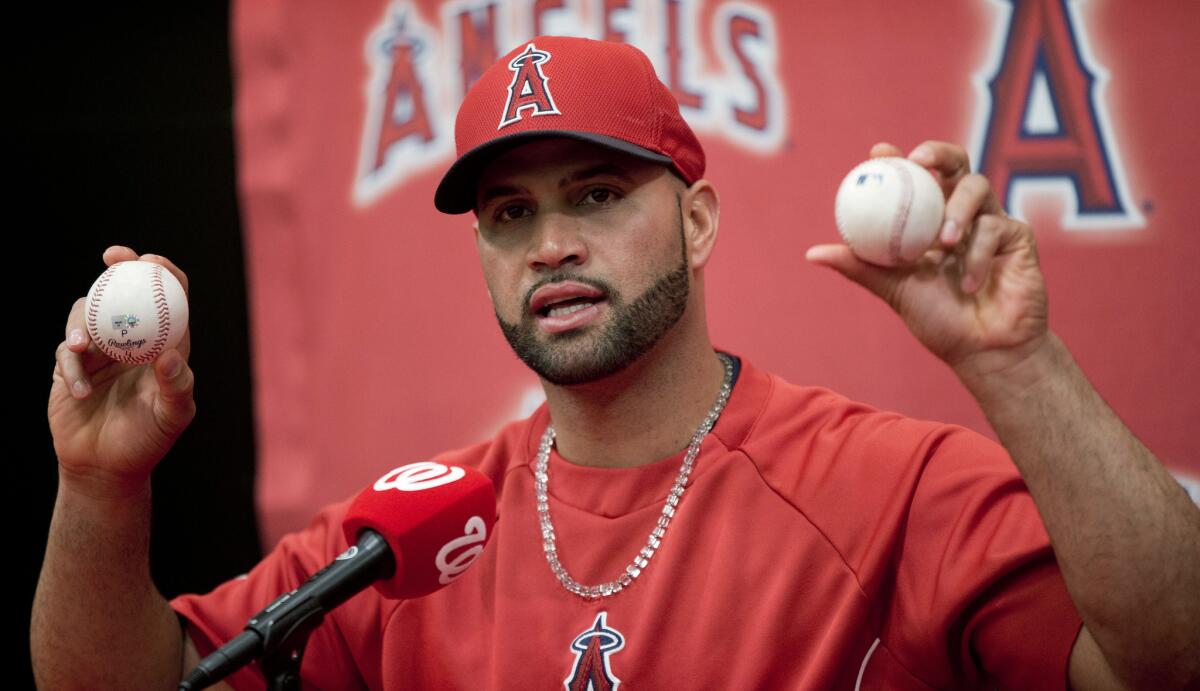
<point>878,280</point>
<point>174,407</point>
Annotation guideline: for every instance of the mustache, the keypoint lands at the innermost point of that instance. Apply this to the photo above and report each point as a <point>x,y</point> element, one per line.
<point>561,277</point>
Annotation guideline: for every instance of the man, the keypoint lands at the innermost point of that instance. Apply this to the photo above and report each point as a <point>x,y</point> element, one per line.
<point>806,542</point>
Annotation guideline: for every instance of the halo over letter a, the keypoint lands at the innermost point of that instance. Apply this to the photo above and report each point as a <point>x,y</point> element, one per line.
<point>529,88</point>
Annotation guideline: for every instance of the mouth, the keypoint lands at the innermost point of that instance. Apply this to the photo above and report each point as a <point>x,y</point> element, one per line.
<point>565,306</point>
<point>562,309</point>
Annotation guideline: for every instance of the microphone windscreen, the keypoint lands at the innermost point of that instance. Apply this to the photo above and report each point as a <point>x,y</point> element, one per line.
<point>435,517</point>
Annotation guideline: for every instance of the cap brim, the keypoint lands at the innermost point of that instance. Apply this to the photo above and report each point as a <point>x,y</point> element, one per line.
<point>456,192</point>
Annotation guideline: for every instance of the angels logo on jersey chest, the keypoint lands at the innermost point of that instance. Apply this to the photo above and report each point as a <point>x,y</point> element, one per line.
<point>592,670</point>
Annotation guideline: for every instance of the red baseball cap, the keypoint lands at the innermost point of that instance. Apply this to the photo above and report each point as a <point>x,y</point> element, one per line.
<point>557,86</point>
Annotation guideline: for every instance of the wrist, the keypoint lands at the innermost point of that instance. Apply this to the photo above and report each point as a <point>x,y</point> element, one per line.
<point>996,378</point>
<point>99,487</point>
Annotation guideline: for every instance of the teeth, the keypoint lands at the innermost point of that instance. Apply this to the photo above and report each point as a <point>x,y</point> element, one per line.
<point>563,311</point>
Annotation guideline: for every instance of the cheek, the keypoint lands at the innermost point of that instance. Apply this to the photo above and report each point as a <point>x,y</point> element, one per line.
<point>655,247</point>
<point>502,285</point>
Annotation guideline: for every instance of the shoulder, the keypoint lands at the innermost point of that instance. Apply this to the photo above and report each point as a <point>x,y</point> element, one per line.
<point>826,427</point>
<point>806,432</point>
<point>854,470</point>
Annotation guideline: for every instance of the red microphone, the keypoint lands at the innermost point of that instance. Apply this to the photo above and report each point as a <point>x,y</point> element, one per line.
<point>416,529</point>
<point>435,517</point>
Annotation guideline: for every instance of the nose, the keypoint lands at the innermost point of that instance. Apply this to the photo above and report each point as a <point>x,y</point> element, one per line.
<point>556,242</point>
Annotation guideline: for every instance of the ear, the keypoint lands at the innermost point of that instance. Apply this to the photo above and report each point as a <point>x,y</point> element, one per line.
<point>701,209</point>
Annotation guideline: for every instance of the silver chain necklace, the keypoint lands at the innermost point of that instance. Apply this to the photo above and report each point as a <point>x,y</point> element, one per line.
<point>639,563</point>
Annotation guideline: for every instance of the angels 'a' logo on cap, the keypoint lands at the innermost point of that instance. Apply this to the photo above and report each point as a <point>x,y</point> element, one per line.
<point>529,89</point>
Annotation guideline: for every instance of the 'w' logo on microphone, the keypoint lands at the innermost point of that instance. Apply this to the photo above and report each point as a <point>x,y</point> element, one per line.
<point>592,648</point>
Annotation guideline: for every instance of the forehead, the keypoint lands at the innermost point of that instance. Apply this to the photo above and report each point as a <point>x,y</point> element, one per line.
<point>555,161</point>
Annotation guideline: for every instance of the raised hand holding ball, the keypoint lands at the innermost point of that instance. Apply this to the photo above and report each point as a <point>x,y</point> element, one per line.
<point>135,311</point>
<point>889,211</point>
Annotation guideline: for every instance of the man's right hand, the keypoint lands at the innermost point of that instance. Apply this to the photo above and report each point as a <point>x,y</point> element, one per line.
<point>112,422</point>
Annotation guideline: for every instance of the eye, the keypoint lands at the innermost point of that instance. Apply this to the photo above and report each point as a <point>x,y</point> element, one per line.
<point>599,196</point>
<point>511,212</point>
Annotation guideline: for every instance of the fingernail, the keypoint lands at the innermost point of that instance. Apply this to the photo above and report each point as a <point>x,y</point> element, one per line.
<point>80,388</point>
<point>75,338</point>
<point>921,154</point>
<point>951,231</point>
<point>968,284</point>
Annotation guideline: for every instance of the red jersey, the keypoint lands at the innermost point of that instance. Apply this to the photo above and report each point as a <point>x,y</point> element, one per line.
<point>821,544</point>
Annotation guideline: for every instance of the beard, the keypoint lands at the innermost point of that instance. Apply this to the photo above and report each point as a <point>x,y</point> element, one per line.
<point>633,327</point>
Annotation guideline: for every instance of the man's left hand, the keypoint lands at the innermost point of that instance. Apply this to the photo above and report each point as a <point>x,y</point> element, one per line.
<point>977,299</point>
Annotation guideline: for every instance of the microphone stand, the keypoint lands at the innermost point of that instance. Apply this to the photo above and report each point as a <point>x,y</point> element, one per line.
<point>284,650</point>
<point>278,634</point>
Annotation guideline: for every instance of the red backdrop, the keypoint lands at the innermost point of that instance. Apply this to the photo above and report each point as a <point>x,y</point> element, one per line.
<point>374,340</point>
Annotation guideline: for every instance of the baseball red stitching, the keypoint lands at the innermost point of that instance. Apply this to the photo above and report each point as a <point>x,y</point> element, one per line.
<point>94,303</point>
<point>164,316</point>
<point>896,237</point>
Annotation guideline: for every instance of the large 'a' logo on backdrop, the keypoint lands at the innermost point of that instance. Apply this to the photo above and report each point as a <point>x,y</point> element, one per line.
<point>529,89</point>
<point>1045,126</point>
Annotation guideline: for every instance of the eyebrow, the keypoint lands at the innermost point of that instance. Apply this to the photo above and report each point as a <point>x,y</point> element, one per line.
<point>498,191</point>
<point>601,170</point>
<point>595,172</point>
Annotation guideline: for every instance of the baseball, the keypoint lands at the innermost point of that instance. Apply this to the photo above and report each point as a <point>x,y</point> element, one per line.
<point>889,210</point>
<point>135,311</point>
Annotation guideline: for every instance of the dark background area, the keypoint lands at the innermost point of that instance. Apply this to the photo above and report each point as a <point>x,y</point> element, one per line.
<point>124,135</point>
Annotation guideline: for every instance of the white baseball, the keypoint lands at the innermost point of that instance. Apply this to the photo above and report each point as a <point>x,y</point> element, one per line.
<point>135,311</point>
<point>889,210</point>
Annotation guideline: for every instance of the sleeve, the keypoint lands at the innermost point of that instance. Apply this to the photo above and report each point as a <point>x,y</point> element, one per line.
<point>329,660</point>
<point>978,593</point>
